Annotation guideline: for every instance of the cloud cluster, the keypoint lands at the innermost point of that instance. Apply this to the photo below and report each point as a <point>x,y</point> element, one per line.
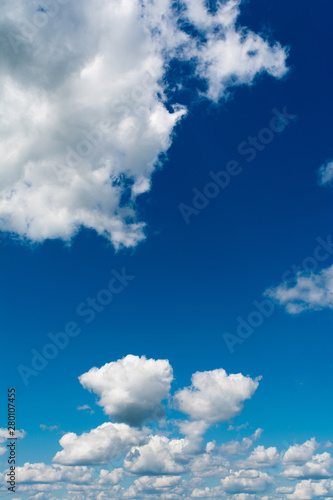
<point>131,391</point>
<point>309,490</point>
<point>84,116</point>
<point>169,458</point>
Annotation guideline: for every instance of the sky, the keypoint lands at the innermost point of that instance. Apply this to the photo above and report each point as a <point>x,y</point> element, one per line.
<point>167,249</point>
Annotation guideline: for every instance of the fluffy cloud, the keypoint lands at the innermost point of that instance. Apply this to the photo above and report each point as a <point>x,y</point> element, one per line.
<point>113,477</point>
<point>38,491</point>
<point>298,454</point>
<point>150,485</point>
<point>41,473</point>
<point>313,291</point>
<point>131,389</point>
<point>84,113</point>
<point>325,173</point>
<point>99,446</point>
<point>307,490</point>
<point>234,447</point>
<point>260,458</point>
<point>209,465</point>
<point>207,493</point>
<point>246,481</point>
<point>159,456</point>
<point>167,466</point>
<point>319,466</point>
<point>4,436</point>
<point>216,396</point>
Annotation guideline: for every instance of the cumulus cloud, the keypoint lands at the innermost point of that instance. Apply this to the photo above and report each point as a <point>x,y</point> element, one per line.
<point>193,431</point>
<point>308,490</point>
<point>152,485</point>
<point>298,454</point>
<point>260,458</point>
<point>4,435</point>
<point>216,396</point>
<point>234,447</point>
<point>157,462</point>
<point>207,492</point>
<point>312,291</point>
<point>160,455</point>
<point>99,446</point>
<point>325,173</point>
<point>319,466</point>
<point>42,473</point>
<point>131,389</point>
<point>113,477</point>
<point>85,120</point>
<point>209,464</point>
<point>246,481</point>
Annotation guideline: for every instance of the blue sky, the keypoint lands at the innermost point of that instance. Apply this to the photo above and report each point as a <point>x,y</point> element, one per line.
<point>191,281</point>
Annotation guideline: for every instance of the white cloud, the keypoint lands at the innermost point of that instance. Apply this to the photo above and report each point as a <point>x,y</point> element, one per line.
<point>298,454</point>
<point>234,447</point>
<point>237,427</point>
<point>313,291</point>
<point>150,485</point>
<point>209,465</point>
<point>131,389</point>
<point>246,481</point>
<point>167,466</point>
<point>216,396</point>
<point>113,477</point>
<point>243,496</point>
<point>49,427</point>
<point>84,116</point>
<point>42,473</point>
<point>260,458</point>
<point>159,456</point>
<point>325,173</point>
<point>99,446</point>
<point>207,493</point>
<point>38,491</point>
<point>308,489</point>
<point>284,489</point>
<point>319,466</point>
<point>4,435</point>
